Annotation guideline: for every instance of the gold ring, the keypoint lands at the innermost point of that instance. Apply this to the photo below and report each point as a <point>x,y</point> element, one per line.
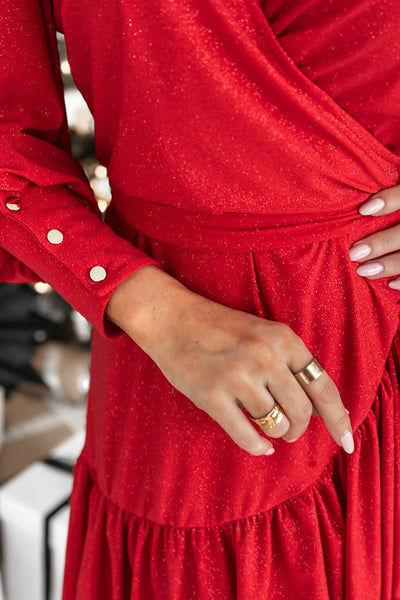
<point>271,419</point>
<point>310,373</point>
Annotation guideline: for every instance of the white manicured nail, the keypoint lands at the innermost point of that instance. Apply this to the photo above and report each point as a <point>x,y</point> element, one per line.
<point>270,451</point>
<point>394,284</point>
<point>372,206</point>
<point>359,251</point>
<point>291,441</point>
<point>370,269</point>
<point>347,441</point>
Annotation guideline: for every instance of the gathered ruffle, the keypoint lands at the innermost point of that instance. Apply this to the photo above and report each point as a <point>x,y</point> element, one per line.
<point>339,538</point>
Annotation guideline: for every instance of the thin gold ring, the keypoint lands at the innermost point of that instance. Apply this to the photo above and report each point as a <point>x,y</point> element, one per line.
<point>271,419</point>
<point>310,373</point>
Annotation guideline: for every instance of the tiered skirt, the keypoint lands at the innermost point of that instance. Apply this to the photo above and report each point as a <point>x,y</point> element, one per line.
<point>337,539</point>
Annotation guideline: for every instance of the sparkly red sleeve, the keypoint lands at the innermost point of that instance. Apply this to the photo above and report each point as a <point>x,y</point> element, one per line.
<point>51,229</point>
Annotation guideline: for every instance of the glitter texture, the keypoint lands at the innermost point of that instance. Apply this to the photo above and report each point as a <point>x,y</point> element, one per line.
<point>239,146</point>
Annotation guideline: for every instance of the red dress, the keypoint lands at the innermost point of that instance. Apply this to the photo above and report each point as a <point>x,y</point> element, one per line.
<point>239,145</point>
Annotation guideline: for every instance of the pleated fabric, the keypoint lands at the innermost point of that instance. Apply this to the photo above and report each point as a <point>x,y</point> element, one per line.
<point>339,538</point>
<point>239,146</point>
<point>238,163</point>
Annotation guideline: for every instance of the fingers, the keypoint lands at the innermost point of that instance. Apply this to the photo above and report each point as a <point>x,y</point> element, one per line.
<point>259,402</point>
<point>294,401</point>
<point>259,372</point>
<point>383,256</point>
<point>386,266</point>
<point>228,414</point>
<point>298,407</point>
<point>299,403</point>
<point>379,253</point>
<point>281,387</point>
<point>383,203</point>
<point>325,396</point>
<point>376,245</point>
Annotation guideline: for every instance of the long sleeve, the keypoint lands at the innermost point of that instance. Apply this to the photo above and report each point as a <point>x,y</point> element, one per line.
<point>51,228</point>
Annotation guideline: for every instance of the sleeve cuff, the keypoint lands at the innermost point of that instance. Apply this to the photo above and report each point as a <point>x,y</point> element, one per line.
<point>58,235</point>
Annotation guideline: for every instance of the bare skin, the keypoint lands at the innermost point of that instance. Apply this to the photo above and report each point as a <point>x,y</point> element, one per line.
<point>381,256</point>
<point>222,358</point>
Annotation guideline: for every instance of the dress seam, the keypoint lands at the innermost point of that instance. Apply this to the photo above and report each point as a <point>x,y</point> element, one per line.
<point>325,475</point>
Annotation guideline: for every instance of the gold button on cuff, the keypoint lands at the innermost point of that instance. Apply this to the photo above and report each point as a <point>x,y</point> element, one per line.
<point>54,236</point>
<point>13,204</point>
<point>97,273</point>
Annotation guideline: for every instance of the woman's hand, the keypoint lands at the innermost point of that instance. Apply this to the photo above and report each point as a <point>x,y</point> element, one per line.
<point>222,359</point>
<point>380,252</point>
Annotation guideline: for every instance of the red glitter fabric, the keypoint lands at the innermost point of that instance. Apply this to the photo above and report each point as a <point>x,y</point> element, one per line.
<point>239,145</point>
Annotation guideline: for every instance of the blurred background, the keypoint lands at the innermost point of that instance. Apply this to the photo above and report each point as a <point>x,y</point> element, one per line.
<point>44,380</point>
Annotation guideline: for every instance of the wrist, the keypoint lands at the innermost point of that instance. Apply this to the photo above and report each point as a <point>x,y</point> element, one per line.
<point>141,304</point>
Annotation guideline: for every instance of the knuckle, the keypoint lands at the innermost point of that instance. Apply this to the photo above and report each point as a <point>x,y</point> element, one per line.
<point>290,342</point>
<point>282,340</point>
<point>272,343</point>
<point>302,414</point>
<point>235,370</point>
<point>285,334</point>
<point>382,242</point>
<point>259,350</point>
<point>327,391</point>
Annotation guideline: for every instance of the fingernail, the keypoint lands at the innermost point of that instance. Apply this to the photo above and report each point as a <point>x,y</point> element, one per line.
<point>291,441</point>
<point>347,441</point>
<point>359,251</point>
<point>370,269</point>
<point>348,412</point>
<point>270,451</point>
<point>394,284</point>
<point>372,206</point>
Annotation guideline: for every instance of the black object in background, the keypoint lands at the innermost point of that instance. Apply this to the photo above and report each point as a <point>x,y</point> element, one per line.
<point>26,320</point>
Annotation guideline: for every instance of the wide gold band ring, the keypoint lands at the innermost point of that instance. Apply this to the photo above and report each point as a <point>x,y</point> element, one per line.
<point>310,373</point>
<point>271,419</point>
